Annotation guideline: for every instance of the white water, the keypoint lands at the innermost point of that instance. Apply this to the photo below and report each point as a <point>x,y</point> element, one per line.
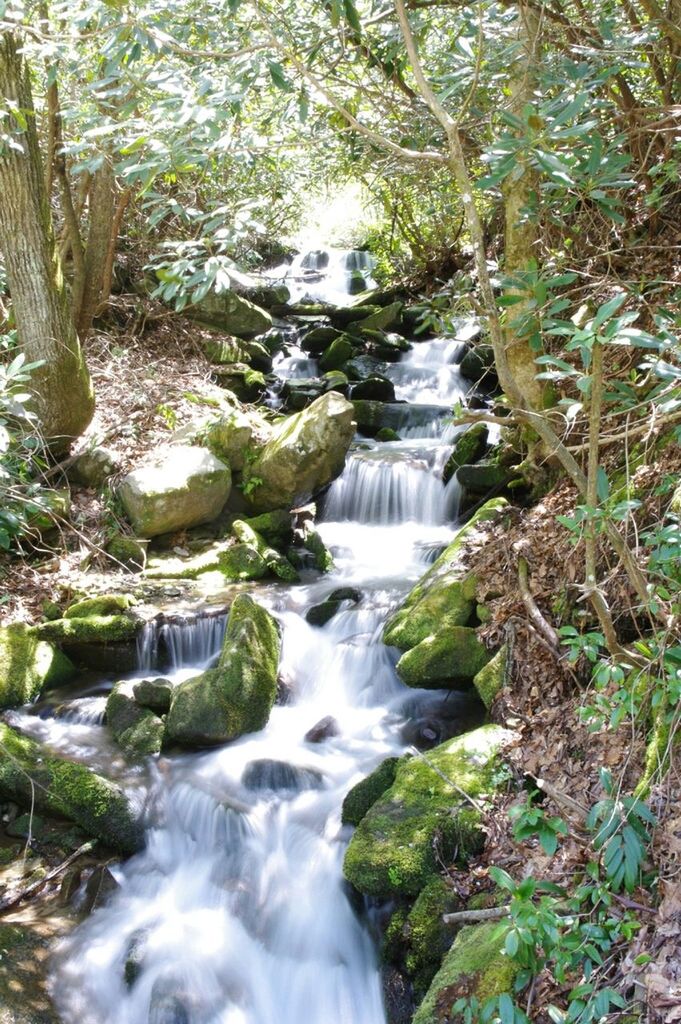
<point>325,275</point>
<point>236,908</point>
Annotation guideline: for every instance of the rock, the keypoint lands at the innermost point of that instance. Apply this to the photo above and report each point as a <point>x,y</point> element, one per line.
<point>180,487</point>
<point>452,657</point>
<point>98,888</point>
<point>318,339</point>
<point>31,776</point>
<point>397,996</point>
<point>384,319</point>
<point>236,562</point>
<point>229,438</point>
<point>128,551</point>
<point>483,477</point>
<point>422,733</point>
<point>325,729</point>
<point>154,693</point>
<point>28,665</point>
<point>94,467</point>
<point>379,389</point>
<point>267,296</point>
<point>305,453</point>
<point>364,794</point>
<point>362,367</point>
<point>335,380</point>
<point>105,604</point>
<point>387,434</point>
<point>277,564</point>
<point>338,353</point>
<point>225,351</point>
<point>420,822</point>
<point>266,774</point>
<point>44,512</point>
<point>136,729</point>
<point>93,629</point>
<point>275,526</point>
<point>413,316</point>
<point>477,365</point>
<point>490,680</point>
<point>428,937</point>
<point>231,313</point>
<point>301,392</point>
<point>237,696</point>
<point>165,1007</point>
<point>320,614</point>
<point>341,316</point>
<point>134,961</point>
<point>323,559</point>
<point>475,966</point>
<point>242,381</point>
<point>346,594</point>
<point>470,446</point>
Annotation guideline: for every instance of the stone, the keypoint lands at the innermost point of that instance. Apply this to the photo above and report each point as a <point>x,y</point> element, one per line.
<point>305,453</point>
<point>428,937</point>
<point>94,467</point>
<point>318,339</point>
<point>397,996</point>
<point>236,697</point>
<point>325,729</point>
<point>335,380</point>
<point>31,776</point>
<point>180,487</point>
<point>154,693</point>
<point>379,389</point>
<point>363,795</point>
<point>277,563</point>
<point>483,477</point>
<point>225,351</point>
<point>90,629</point>
<point>301,392</point>
<point>361,367</point>
<point>451,657</point>
<point>475,966</point>
<point>384,319</point>
<point>28,665</point>
<point>421,821</point>
<point>387,434</point>
<point>241,381</point>
<point>341,316</point>
<point>236,562</point>
<point>104,604</point>
<point>338,353</point>
<point>229,438</point>
<point>266,774</point>
<point>275,526</point>
<point>477,365</point>
<point>470,446</point>
<point>136,729</point>
<point>312,541</point>
<point>99,887</point>
<point>128,551</point>
<point>491,679</point>
<point>231,313</point>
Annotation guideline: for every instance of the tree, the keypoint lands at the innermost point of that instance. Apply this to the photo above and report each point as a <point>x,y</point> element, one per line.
<point>64,399</point>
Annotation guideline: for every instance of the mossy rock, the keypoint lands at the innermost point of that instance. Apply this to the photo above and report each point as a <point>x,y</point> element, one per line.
<point>453,656</point>
<point>31,776</point>
<point>364,794</point>
<point>427,936</point>
<point>276,526</point>
<point>470,446</point>
<point>28,665</point>
<point>277,563</point>
<point>129,552</point>
<point>483,477</point>
<point>422,820</point>
<point>384,319</point>
<point>105,604</point>
<point>95,629</point>
<point>136,729</point>
<point>237,696</point>
<point>491,678</point>
<point>475,966</point>
<point>338,353</point>
<point>236,562</point>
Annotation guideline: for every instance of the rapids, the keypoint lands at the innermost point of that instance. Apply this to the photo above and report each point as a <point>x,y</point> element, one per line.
<point>236,911</point>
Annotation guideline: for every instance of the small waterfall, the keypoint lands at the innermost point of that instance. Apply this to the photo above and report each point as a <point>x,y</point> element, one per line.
<point>327,275</point>
<point>194,640</point>
<point>429,372</point>
<point>297,365</point>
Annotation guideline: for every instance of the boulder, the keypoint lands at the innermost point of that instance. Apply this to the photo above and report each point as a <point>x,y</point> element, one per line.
<point>364,794</point>
<point>338,352</point>
<point>475,966</point>
<point>231,313</point>
<point>318,339</point>
<point>28,665</point>
<point>225,351</point>
<point>266,774</point>
<point>180,487</point>
<point>470,446</point>
<point>421,821</point>
<point>427,936</point>
<point>94,467</point>
<point>30,776</point>
<point>154,693</point>
<point>277,563</point>
<point>384,319</point>
<point>136,729</point>
<point>305,453</point>
<point>325,729</point>
<point>129,552</point>
<point>477,365</point>
<point>236,562</point>
<point>341,316</point>
<point>451,657</point>
<point>301,392</point>
<point>234,437</point>
<point>89,629</point>
<point>491,679</point>
<point>104,604</point>
<point>362,367</point>
<point>379,389</point>
<point>236,697</point>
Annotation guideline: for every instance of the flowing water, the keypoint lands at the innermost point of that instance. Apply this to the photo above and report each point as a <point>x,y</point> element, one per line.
<point>236,911</point>
<point>326,275</point>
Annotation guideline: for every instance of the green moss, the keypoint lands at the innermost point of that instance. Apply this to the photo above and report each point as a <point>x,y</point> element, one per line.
<point>394,941</point>
<point>28,665</point>
<point>105,604</point>
<point>273,526</point>
<point>453,656</point>
<point>492,677</point>
<point>277,564</point>
<point>475,966</point>
<point>30,776</point>
<point>470,446</point>
<point>422,819</point>
<point>428,936</point>
<point>136,729</point>
<point>235,561</point>
<point>95,629</point>
<point>362,796</point>
<point>338,352</point>
<point>323,559</point>
<point>128,551</point>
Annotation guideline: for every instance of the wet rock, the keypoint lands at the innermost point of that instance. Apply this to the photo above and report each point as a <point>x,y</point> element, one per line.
<point>428,937</point>
<point>322,557</point>
<point>423,733</point>
<point>105,604</point>
<point>338,353</point>
<point>136,729</point>
<point>341,316</point>
<point>478,365</point>
<point>245,383</point>
<point>346,594</point>
<point>166,1007</point>
<point>134,961</point>
<point>385,319</point>
<point>387,434</point>
<point>325,729</point>
<point>419,822</point>
<point>388,347</point>
<point>379,389</point>
<point>28,665</point>
<point>128,551</point>
<point>492,677</point>
<point>371,416</point>
<point>320,614</point>
<point>179,487</point>
<point>98,889</point>
<point>318,339</point>
<point>94,467</point>
<point>225,351</point>
<point>397,996</point>
<point>301,392</point>
<point>450,657</point>
<point>305,453</point>
<point>266,774</point>
<point>154,694</point>
<point>236,697</point>
<point>362,367</point>
<point>364,794</point>
<point>277,563</point>
<point>31,776</point>
<point>483,477</point>
<point>470,446</point>
<point>231,313</point>
<point>335,380</point>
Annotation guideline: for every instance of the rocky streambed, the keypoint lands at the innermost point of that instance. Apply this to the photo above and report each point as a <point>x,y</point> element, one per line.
<point>287,773</point>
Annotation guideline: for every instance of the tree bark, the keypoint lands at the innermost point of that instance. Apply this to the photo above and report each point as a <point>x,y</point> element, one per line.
<point>101,209</point>
<point>63,399</point>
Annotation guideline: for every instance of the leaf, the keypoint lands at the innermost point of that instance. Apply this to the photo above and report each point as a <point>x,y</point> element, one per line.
<point>602,484</point>
<point>506,1009</point>
<point>608,309</point>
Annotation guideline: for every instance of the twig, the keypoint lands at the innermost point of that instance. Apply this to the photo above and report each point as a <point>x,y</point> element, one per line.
<point>12,901</point>
<point>562,798</point>
<point>488,914</point>
<point>544,627</point>
<point>478,807</point>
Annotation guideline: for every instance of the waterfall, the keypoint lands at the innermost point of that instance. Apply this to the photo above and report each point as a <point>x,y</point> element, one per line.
<point>327,275</point>
<point>180,641</point>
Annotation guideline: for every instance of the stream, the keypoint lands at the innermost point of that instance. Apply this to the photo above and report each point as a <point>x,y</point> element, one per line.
<point>236,911</point>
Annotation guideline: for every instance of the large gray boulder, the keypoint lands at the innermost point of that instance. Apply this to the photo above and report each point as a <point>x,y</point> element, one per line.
<point>179,487</point>
<point>305,453</point>
<point>231,313</point>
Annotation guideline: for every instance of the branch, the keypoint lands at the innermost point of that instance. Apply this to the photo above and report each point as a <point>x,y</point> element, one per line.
<point>544,627</point>
<point>489,914</point>
<point>11,901</point>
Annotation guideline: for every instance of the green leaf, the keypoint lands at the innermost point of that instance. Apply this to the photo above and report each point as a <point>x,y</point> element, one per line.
<point>602,484</point>
<point>506,1009</point>
<point>608,309</point>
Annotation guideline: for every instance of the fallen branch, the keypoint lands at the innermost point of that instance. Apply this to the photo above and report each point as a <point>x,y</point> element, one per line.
<point>562,798</point>
<point>489,914</point>
<point>544,627</point>
<point>36,886</point>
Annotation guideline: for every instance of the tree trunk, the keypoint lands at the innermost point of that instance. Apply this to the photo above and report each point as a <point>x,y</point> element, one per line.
<point>101,210</point>
<point>520,193</point>
<point>64,400</point>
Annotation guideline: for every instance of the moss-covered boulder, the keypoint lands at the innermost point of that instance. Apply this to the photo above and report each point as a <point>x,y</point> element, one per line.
<point>91,629</point>
<point>229,438</point>
<point>384,319</point>
<point>128,551</point>
<point>137,729</point>
<point>364,794</point>
<point>427,936</point>
<point>483,477</point>
<point>470,446</point>
<point>93,468</point>
<point>32,777</point>
<point>452,656</point>
<point>230,312</point>
<point>237,696</point>
<point>475,966</point>
<point>28,665</point>
<point>305,453</point>
<point>104,604</point>
<point>338,353</point>
<point>180,486</point>
<point>422,819</point>
<point>277,563</point>
<point>492,677</point>
<point>236,562</point>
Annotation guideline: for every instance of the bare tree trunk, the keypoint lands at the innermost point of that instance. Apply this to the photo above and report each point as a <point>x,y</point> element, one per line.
<point>101,209</point>
<point>64,400</point>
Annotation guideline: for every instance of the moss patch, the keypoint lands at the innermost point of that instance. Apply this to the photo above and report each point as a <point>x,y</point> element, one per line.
<point>451,656</point>
<point>428,936</point>
<point>490,679</point>
<point>236,562</point>
<point>362,796</point>
<point>105,604</point>
<point>95,629</point>
<point>28,665</point>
